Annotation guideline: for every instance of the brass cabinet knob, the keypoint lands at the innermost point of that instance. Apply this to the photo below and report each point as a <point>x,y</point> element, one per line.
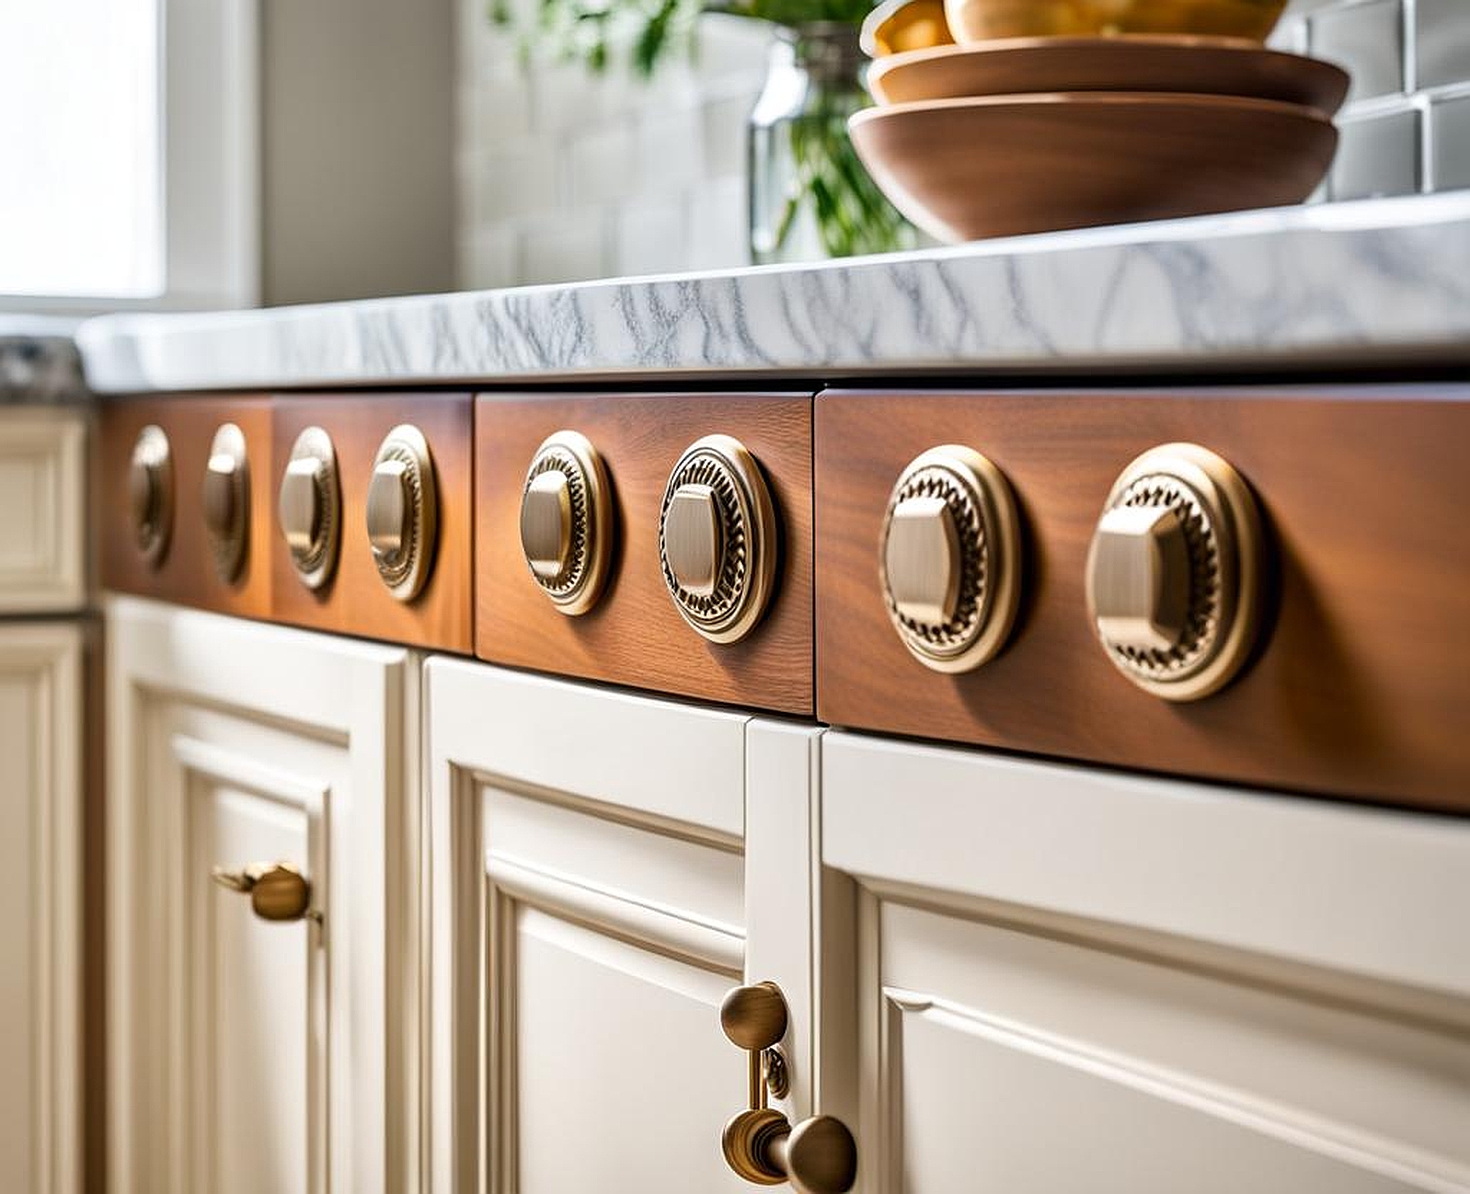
<point>567,521</point>
<point>1174,572</point>
<point>278,891</point>
<point>402,511</point>
<point>309,507</point>
<point>817,1155</point>
<point>950,559</point>
<point>151,492</point>
<point>718,539</point>
<point>225,500</point>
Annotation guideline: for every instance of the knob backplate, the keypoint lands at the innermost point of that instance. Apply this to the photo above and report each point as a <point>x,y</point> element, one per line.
<point>316,481</point>
<point>226,501</point>
<point>1221,526</point>
<point>576,579</point>
<point>726,605</point>
<point>152,466</point>
<point>975,530</point>
<point>406,570</point>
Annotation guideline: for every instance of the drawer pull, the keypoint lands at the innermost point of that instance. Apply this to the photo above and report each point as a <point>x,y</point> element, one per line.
<point>277,890</point>
<point>818,1155</point>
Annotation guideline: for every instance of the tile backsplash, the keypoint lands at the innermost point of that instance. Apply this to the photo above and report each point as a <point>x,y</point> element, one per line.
<point>564,176</point>
<point>1406,124</point>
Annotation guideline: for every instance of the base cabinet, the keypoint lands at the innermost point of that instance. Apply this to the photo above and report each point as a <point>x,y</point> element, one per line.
<point>1070,980</point>
<point>41,719</point>
<point>604,868</point>
<point>251,1054</point>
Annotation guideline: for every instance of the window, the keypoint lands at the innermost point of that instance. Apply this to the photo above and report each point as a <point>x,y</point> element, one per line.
<point>126,171</point>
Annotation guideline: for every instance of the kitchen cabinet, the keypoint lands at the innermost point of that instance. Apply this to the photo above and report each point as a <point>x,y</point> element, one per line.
<point>247,1054</point>
<point>1071,979</point>
<point>41,718</point>
<point>604,868</point>
<point>43,491</point>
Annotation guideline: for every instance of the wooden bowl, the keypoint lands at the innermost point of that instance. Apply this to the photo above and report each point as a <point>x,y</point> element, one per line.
<point>1197,65</point>
<point>981,20</point>
<point>963,169</point>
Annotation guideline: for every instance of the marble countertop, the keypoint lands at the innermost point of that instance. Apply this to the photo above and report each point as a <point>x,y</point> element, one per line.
<point>1380,280</point>
<point>39,361</point>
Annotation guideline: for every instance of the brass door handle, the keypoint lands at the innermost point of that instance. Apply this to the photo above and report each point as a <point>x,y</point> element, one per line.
<point>818,1155</point>
<point>277,890</point>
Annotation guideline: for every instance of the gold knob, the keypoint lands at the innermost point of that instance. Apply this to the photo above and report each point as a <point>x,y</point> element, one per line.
<point>402,509</point>
<point>567,521</point>
<point>818,1155</point>
<point>150,492</point>
<point>718,539</point>
<point>309,506</point>
<point>277,891</point>
<point>1174,572</point>
<point>950,559</point>
<point>225,499</point>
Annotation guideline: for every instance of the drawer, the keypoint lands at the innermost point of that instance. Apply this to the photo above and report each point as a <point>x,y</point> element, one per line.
<point>1071,980</point>
<point>43,489</point>
<point>1356,677</point>
<point>633,632</point>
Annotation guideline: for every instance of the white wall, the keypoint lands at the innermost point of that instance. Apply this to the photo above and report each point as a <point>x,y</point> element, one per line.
<point>565,176</point>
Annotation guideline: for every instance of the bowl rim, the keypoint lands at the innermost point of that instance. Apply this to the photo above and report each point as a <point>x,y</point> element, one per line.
<point>1098,99</point>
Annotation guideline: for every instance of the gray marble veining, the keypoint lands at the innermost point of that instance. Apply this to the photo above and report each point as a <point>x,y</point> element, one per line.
<point>39,361</point>
<point>1383,279</point>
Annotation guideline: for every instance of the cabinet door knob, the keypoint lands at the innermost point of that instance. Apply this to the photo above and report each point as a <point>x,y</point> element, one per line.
<point>309,507</point>
<point>817,1155</point>
<point>151,492</point>
<point>225,498</point>
<point>567,521</point>
<point>402,511</point>
<point>278,891</point>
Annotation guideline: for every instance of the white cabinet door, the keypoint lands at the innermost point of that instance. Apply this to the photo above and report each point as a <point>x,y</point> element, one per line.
<point>248,1055</point>
<point>596,888</point>
<point>41,719</point>
<point>1072,980</point>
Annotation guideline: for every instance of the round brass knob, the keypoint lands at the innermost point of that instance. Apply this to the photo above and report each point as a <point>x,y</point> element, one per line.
<point>754,1017</point>
<point>225,500</point>
<point>819,1156</point>
<point>950,559</point>
<point>718,539</point>
<point>309,507</point>
<point>567,521</point>
<point>278,891</point>
<point>151,492</point>
<point>1174,572</point>
<point>402,511</point>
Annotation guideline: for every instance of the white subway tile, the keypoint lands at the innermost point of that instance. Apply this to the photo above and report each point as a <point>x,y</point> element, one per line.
<point>724,124</point>
<point>669,155</point>
<point>598,165</point>
<point>651,237</point>
<point>566,248</point>
<point>1367,40</point>
<point>516,181</point>
<point>719,234</point>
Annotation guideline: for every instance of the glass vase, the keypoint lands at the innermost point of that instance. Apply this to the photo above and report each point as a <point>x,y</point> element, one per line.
<point>810,196</point>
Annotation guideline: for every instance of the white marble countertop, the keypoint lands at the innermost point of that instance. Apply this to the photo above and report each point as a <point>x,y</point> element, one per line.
<point>38,360</point>
<point>1380,280</point>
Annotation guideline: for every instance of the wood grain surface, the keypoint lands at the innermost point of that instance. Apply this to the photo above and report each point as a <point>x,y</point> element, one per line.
<point>1361,686</point>
<point>186,573</point>
<point>634,635</point>
<point>356,601</point>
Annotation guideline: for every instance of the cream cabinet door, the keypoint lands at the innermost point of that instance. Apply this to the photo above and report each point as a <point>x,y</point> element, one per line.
<point>604,867</point>
<point>43,492</point>
<point>245,1054</point>
<point>1070,980</point>
<point>41,720</point>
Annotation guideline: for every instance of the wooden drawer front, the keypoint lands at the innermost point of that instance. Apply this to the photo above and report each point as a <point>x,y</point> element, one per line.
<point>1181,988</point>
<point>185,573</point>
<point>634,634</point>
<point>356,601</point>
<point>43,491</point>
<point>1361,684</point>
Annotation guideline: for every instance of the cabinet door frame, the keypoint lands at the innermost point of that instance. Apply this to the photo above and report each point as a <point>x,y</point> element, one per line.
<point>641,759</point>
<point>48,658</point>
<point>355,694</point>
<point>1273,892</point>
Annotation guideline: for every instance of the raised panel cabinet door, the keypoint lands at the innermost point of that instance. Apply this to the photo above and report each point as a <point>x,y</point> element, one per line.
<point>1077,980</point>
<point>43,495</point>
<point>594,895</point>
<point>41,720</point>
<point>260,1019</point>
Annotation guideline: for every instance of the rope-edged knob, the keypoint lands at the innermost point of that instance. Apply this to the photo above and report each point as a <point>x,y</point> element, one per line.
<point>567,521</point>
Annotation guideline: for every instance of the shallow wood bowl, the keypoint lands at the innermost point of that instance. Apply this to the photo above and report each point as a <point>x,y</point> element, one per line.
<point>980,20</point>
<point>1196,65</point>
<point>964,169</point>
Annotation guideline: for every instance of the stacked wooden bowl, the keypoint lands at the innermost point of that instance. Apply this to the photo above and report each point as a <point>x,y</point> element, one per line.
<point>1135,119</point>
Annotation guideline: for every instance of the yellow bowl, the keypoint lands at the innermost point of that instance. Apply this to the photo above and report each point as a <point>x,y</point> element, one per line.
<point>981,20</point>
